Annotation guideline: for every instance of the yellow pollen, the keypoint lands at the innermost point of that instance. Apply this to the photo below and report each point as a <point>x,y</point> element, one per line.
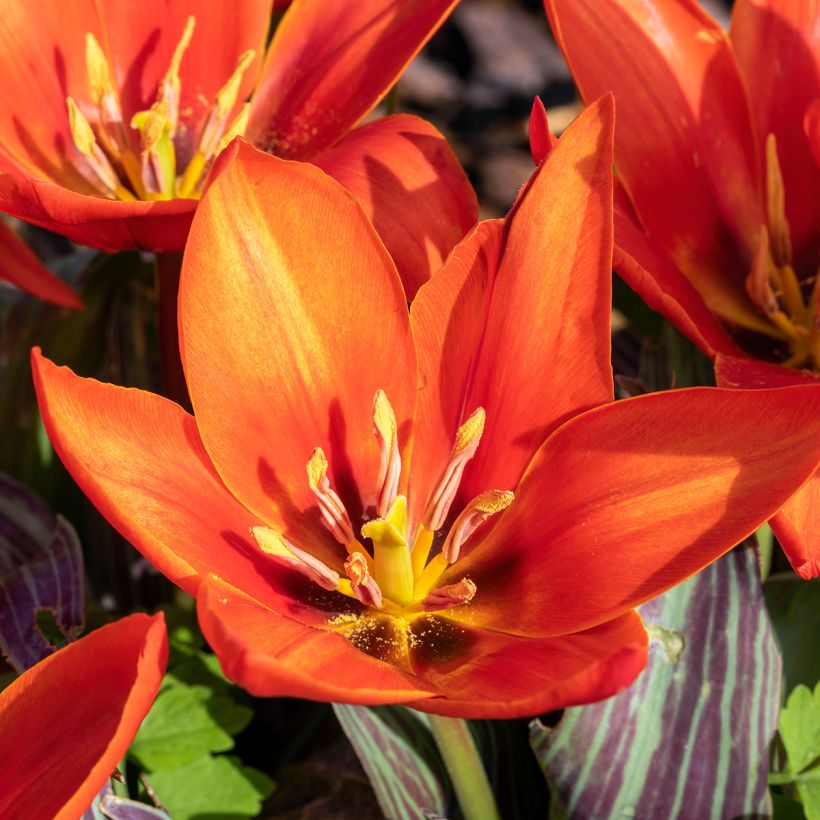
<point>316,468</point>
<point>271,542</point>
<point>470,432</point>
<point>493,501</point>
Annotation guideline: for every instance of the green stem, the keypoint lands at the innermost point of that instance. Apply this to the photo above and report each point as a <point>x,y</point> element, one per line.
<point>168,266</point>
<point>453,738</point>
<point>765,539</point>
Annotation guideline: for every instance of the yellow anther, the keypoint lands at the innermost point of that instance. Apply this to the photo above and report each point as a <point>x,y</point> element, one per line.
<point>449,596</point>
<point>316,468</point>
<point>469,434</point>
<point>384,419</point>
<point>362,584</point>
<point>98,70</point>
<point>170,87</point>
<point>274,544</point>
<point>226,96</point>
<point>152,124</point>
<point>472,517</point>
<point>81,131</point>
<point>776,205</point>
<point>384,424</point>
<point>236,129</point>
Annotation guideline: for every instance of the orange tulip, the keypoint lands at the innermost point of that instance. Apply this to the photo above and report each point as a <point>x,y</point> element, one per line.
<point>448,509</point>
<point>66,723</point>
<point>718,151</point>
<point>113,112</point>
<point>20,266</point>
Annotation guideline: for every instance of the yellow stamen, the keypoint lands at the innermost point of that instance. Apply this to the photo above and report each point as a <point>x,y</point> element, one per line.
<point>469,434</point>
<point>236,129</point>
<point>427,580</point>
<point>274,544</point>
<point>384,424</point>
<point>421,549</point>
<point>226,96</point>
<point>171,86</point>
<point>776,205</point>
<point>81,131</point>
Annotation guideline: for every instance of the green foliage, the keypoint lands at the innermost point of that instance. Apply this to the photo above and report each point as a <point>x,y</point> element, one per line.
<point>209,786</point>
<point>800,732</point>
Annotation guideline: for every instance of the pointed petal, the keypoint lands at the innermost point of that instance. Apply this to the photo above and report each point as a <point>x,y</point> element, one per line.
<point>66,723</point>
<point>537,351</point>
<point>412,188</point>
<point>271,655</point>
<point>501,676</point>
<point>139,458</point>
<point>631,498</point>
<point>656,279</point>
<point>101,223</point>
<point>683,127</point>
<point>329,63</point>
<point>776,46</point>
<point>20,266</point>
<point>292,317</point>
<point>796,525</point>
<point>542,140</point>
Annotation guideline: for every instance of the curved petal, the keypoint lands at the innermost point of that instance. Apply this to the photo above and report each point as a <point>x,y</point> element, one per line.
<point>329,63</point>
<point>796,525</point>
<point>271,655</point>
<point>101,223</point>
<point>507,677</point>
<point>776,46</point>
<point>66,723</point>
<point>654,277</point>
<point>139,458</point>
<point>292,317</point>
<point>683,140</point>
<point>412,188</point>
<point>20,266</point>
<point>543,351</point>
<point>633,497</point>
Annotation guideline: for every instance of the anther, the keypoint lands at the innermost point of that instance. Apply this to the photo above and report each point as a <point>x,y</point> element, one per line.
<point>472,517</point>
<point>759,280</point>
<point>158,157</point>
<point>468,437</point>
<point>449,596</point>
<point>103,91</point>
<point>386,430</point>
<point>275,545</point>
<point>776,205</point>
<point>170,87</point>
<point>362,583</point>
<point>334,514</point>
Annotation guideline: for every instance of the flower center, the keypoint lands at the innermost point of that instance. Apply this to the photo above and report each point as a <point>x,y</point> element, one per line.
<point>792,305</point>
<point>138,160</point>
<point>398,577</point>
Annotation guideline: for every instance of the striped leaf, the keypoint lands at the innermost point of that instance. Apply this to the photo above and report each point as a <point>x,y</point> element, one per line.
<point>41,570</point>
<point>690,737</point>
<point>400,758</point>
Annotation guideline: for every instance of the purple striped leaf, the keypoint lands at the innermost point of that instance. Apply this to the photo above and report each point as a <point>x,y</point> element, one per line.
<point>690,737</point>
<point>41,571</point>
<point>401,760</point>
<point>107,806</point>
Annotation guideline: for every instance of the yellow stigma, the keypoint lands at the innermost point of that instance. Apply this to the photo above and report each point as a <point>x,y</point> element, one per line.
<point>390,531</point>
<point>393,569</point>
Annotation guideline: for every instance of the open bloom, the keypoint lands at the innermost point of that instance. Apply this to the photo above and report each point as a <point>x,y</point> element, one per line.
<point>717,148</point>
<point>111,115</point>
<point>444,509</point>
<point>20,266</point>
<point>66,722</point>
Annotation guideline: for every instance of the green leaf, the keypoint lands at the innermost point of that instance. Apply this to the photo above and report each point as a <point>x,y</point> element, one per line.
<point>212,787</point>
<point>800,733</point>
<point>690,737</point>
<point>400,757</point>
<point>185,723</point>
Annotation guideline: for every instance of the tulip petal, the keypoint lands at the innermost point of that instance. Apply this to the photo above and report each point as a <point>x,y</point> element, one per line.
<point>329,63</point>
<point>654,277</point>
<point>101,223</point>
<point>631,498</point>
<point>683,139</point>
<point>508,677</point>
<point>412,188</point>
<point>292,317</point>
<point>139,458</point>
<point>776,46</point>
<point>796,524</point>
<point>537,351</point>
<point>271,655</point>
<point>66,723</point>
<point>20,266</point>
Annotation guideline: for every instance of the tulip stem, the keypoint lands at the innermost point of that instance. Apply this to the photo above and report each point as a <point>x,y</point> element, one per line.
<point>168,266</point>
<point>457,747</point>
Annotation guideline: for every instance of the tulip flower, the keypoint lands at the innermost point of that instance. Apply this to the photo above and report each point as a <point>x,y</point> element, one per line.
<point>445,509</point>
<point>717,150</point>
<point>21,267</point>
<point>66,722</point>
<point>113,112</point>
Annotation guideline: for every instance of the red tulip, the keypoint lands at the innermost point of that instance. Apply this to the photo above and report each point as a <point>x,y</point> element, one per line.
<point>113,112</point>
<point>717,149</point>
<point>549,510</point>
<point>20,266</point>
<point>66,722</point>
